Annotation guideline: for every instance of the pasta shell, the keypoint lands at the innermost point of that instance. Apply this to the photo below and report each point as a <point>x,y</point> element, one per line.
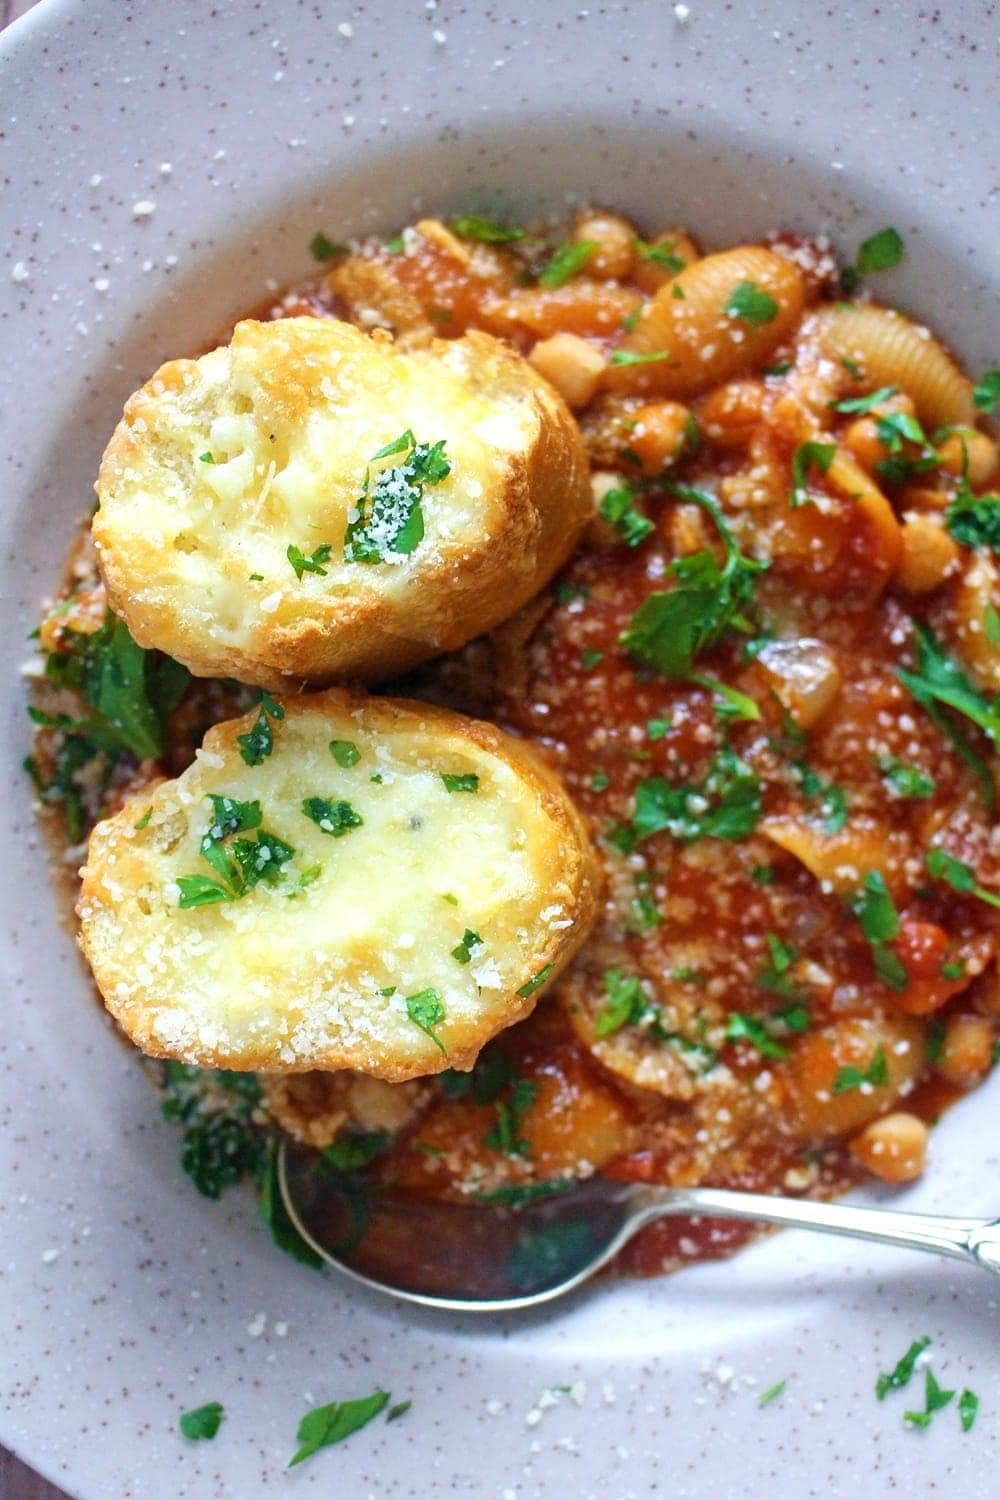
<point>892,350</point>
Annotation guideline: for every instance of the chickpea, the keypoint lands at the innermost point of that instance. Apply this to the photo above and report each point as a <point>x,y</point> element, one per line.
<point>862,438</point>
<point>658,435</point>
<point>967,1050</point>
<point>928,554</point>
<point>615,241</point>
<point>981,451</point>
<point>649,273</point>
<point>600,533</point>
<point>572,365</point>
<point>893,1148</point>
<point>731,413</point>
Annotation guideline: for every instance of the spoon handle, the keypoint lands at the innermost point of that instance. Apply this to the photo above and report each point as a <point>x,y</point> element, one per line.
<point>976,1241</point>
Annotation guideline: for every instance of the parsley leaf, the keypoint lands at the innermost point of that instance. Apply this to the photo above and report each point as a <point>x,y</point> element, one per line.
<point>906,780</point>
<point>520,1194</point>
<point>505,1135</point>
<point>876,1074</point>
<point>345,752</point>
<point>491,1074</point>
<point>426,1010</point>
<point>200,890</point>
<point>880,252</point>
<point>809,456</point>
<point>880,924</point>
<point>334,818</point>
<point>902,1374</point>
<point>467,781</point>
<point>388,518</point>
<point>311,564</point>
<point>220,1145</point>
<point>484,229</point>
<point>727,805</point>
<point>463,952</point>
<point>968,1407</point>
<point>625,1005</point>
<point>671,627</point>
<point>257,745</point>
<point>275,1214</point>
<point>204,1422</point>
<point>751,304</point>
<point>774,972</point>
<point>975,521</point>
<point>622,358</point>
<point>528,989</point>
<point>893,430</point>
<point>354,1149</point>
<point>619,511</point>
<point>766,1397</point>
<point>662,253</point>
<point>937,680</point>
<point>958,875</point>
<point>986,391</point>
<point>567,261</point>
<point>861,405</point>
<point>321,247</point>
<point>751,1029</point>
<point>326,1425</point>
<point>935,1399</point>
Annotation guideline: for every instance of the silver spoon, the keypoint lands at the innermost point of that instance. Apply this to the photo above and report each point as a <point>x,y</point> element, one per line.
<point>481,1257</point>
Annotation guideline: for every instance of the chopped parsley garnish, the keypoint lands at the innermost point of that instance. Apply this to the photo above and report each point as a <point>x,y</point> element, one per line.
<point>880,924</point>
<point>589,658</point>
<point>832,798</point>
<point>907,781</point>
<point>861,405</point>
<point>763,874</point>
<point>567,592</point>
<point>953,968</point>
<point>326,1425</point>
<point>727,804</point>
<point>986,391</point>
<point>772,1394</point>
<point>240,865</point>
<point>729,703</point>
<point>600,781</point>
<point>131,692</point>
<point>505,1135</point>
<point>876,1074</point>
<point>935,1399</point>
<point>491,1074</point>
<point>773,975</point>
<point>202,1423</point>
<point>630,320</point>
<point>657,728</point>
<point>903,1372</point>
<point>619,510</point>
<point>220,1145</point>
<point>622,358</point>
<point>463,952</point>
<point>275,1214</point>
<point>643,913</point>
<point>354,1149</point>
<point>334,818</point>
<point>144,820</point>
<point>973,521</point>
<point>808,456</point>
<point>671,627</point>
<point>345,753</point>
<point>968,1407</point>
<point>529,989</point>
<point>958,875</point>
<point>322,248</point>
<point>256,746</point>
<point>206,458</point>
<point>311,564</point>
<point>486,230</point>
<point>751,304</point>
<point>937,681</point>
<point>880,252</point>
<point>893,430</point>
<point>662,253</point>
<point>741,1028</point>
<point>388,518</point>
<point>626,1003</point>
<point>396,245</point>
<point>399,1410</point>
<point>934,1044</point>
<point>567,261</point>
<point>426,1010</point>
<point>781,368</point>
<point>467,781</point>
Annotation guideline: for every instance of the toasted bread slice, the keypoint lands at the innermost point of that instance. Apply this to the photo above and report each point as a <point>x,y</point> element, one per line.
<point>310,503</point>
<point>385,887</point>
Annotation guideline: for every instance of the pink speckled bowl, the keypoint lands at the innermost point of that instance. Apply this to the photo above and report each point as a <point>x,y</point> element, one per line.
<point>246,126</point>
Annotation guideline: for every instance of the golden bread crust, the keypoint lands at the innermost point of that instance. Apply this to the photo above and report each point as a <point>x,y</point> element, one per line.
<point>313,969</point>
<point>219,464</point>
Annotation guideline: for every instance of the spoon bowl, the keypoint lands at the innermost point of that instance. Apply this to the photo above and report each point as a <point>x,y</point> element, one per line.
<point>516,1249</point>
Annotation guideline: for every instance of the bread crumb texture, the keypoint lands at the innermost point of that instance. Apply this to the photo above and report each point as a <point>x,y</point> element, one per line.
<point>388,907</point>
<point>221,464</point>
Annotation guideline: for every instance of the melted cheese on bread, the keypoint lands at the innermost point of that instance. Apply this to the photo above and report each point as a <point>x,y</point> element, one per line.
<point>220,465</point>
<point>398,884</point>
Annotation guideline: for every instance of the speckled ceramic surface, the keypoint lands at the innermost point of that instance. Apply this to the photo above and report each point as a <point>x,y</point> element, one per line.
<point>158,163</point>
